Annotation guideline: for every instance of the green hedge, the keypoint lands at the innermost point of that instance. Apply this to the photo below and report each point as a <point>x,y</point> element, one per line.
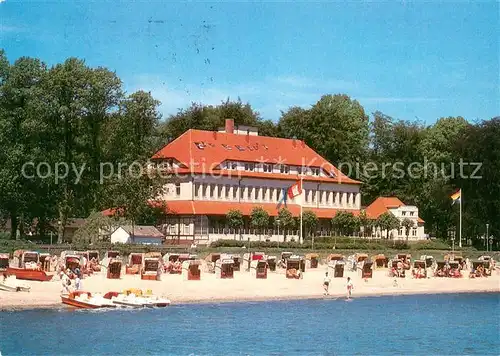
<point>342,243</point>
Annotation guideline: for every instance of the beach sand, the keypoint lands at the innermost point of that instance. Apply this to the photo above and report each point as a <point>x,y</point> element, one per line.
<point>245,287</point>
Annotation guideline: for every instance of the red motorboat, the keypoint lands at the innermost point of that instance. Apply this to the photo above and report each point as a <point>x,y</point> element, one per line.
<point>85,300</point>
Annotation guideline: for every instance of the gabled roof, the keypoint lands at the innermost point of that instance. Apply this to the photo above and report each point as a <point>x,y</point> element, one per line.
<point>204,151</point>
<point>382,205</point>
<point>139,231</point>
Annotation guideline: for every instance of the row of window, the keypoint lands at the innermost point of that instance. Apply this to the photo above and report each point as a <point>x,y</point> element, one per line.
<point>270,168</point>
<point>266,194</point>
<point>329,197</point>
<point>413,232</point>
<point>412,213</point>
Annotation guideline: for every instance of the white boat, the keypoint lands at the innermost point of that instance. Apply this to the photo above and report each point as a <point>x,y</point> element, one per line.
<point>158,301</point>
<point>11,284</point>
<point>130,300</point>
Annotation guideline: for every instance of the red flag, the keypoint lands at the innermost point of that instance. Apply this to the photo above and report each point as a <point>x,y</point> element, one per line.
<point>295,190</point>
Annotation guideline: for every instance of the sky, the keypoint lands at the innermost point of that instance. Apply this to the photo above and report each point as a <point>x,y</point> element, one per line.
<point>410,60</point>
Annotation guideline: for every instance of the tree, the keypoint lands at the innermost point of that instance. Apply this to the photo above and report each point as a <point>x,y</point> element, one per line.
<point>407,224</point>
<point>259,219</point>
<point>285,221</point>
<point>94,227</point>
<point>211,118</point>
<point>310,221</point>
<point>18,130</point>
<point>365,222</point>
<point>345,222</point>
<point>134,192</point>
<point>234,219</point>
<point>336,127</point>
<point>388,222</point>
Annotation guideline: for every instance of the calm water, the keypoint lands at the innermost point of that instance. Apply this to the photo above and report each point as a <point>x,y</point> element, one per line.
<point>405,325</point>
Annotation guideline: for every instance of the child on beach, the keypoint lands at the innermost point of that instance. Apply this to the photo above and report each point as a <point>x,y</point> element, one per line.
<point>349,287</point>
<point>326,283</point>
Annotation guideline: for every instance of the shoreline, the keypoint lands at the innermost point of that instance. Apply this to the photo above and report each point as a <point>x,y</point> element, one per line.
<point>15,307</point>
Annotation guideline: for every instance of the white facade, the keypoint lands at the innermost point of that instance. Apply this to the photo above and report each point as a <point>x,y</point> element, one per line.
<point>258,190</point>
<point>417,232</point>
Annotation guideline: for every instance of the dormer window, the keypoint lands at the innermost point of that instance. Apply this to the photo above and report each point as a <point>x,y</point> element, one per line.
<point>268,168</point>
<point>284,168</point>
<point>249,167</point>
<point>299,170</point>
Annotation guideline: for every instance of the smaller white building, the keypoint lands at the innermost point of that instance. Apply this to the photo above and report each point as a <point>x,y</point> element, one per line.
<point>145,235</point>
<point>401,211</point>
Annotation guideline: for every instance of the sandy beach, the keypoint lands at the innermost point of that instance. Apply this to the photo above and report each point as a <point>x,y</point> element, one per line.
<point>245,287</point>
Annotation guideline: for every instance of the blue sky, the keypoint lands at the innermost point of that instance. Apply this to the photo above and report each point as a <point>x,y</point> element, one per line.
<point>410,60</point>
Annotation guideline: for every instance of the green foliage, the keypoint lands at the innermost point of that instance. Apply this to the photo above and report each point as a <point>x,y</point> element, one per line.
<point>96,228</point>
<point>387,221</point>
<point>310,221</point>
<point>365,223</point>
<point>345,223</point>
<point>340,243</point>
<point>336,127</point>
<point>407,224</point>
<point>213,117</point>
<point>234,220</point>
<point>285,221</point>
<point>259,218</point>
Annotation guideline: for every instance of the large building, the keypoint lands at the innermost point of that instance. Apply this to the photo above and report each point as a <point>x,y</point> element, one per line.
<point>235,168</point>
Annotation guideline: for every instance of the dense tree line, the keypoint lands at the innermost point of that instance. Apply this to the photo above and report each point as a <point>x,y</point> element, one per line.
<point>81,116</point>
<point>63,130</point>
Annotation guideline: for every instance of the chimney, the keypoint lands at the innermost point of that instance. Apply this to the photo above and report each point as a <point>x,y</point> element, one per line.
<point>229,126</point>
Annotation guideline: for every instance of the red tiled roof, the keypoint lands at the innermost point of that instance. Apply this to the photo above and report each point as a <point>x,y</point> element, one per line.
<point>217,147</point>
<point>189,207</point>
<point>382,205</point>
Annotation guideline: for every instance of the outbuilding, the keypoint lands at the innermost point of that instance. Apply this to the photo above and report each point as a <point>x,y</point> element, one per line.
<point>146,235</point>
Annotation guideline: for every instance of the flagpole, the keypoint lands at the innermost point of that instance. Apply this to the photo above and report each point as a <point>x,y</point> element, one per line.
<point>301,203</point>
<point>460,227</point>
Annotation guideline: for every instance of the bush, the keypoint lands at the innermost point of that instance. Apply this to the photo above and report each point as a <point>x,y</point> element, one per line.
<point>431,245</point>
<point>4,236</point>
<point>340,243</point>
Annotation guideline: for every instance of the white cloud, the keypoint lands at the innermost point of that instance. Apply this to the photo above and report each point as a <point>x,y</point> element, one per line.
<point>269,97</point>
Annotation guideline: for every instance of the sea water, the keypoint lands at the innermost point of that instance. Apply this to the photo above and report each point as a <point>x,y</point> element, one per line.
<point>403,325</point>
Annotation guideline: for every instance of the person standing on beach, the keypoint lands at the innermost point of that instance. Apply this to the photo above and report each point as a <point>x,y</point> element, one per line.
<point>78,282</point>
<point>350,287</point>
<point>326,283</point>
<point>65,282</point>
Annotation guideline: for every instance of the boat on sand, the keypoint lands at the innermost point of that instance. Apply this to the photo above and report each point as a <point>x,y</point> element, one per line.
<point>11,284</point>
<point>85,300</point>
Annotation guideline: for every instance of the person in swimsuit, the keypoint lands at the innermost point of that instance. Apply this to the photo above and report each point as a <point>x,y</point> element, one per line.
<point>349,287</point>
<point>326,283</point>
